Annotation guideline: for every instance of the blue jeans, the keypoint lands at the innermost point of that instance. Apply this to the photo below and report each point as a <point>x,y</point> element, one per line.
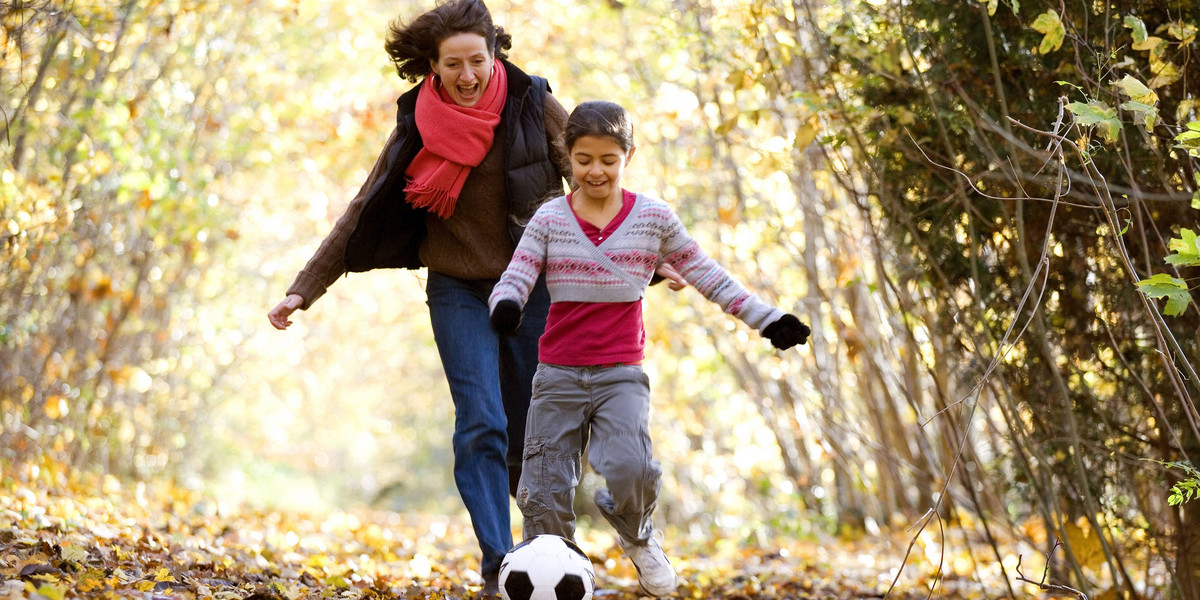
<point>491,378</point>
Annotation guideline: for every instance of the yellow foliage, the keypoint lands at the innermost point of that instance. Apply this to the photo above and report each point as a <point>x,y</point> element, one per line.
<point>1084,543</point>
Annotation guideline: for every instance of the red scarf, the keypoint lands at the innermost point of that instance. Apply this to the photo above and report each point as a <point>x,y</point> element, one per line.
<point>456,139</point>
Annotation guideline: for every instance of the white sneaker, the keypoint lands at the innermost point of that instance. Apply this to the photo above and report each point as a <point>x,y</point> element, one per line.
<point>655,574</point>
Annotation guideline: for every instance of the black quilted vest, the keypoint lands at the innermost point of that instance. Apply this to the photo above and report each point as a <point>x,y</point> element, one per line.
<point>389,230</point>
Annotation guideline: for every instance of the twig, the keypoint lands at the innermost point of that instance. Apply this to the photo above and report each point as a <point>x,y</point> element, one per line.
<point>1042,585</point>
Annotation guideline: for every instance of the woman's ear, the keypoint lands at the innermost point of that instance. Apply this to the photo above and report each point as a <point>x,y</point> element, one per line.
<point>629,155</point>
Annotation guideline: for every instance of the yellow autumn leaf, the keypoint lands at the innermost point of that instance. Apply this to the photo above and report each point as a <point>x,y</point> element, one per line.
<point>806,134</point>
<point>1084,543</point>
<point>1182,31</point>
<point>52,591</point>
<point>1165,73</point>
<point>75,554</point>
<point>92,580</point>
<point>1184,109</point>
<point>1136,90</point>
<point>1051,27</point>
<point>1150,43</point>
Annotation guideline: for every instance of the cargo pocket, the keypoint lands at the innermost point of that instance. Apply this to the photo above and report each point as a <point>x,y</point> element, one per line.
<point>531,493</point>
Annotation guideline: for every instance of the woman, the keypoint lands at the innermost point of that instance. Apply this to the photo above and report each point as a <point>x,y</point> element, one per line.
<point>472,156</point>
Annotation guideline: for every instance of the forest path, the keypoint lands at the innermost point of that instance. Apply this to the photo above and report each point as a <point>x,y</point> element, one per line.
<point>106,541</point>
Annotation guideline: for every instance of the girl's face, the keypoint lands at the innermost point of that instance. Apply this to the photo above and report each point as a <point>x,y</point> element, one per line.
<point>465,67</point>
<point>597,162</point>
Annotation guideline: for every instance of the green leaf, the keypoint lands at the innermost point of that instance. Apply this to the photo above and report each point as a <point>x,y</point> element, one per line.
<point>1138,27</point>
<point>1068,83</point>
<point>1051,28</point>
<point>1186,490</point>
<point>1185,249</point>
<point>1098,113</point>
<point>1190,140</point>
<point>1148,114</point>
<point>1092,114</point>
<point>1164,286</point>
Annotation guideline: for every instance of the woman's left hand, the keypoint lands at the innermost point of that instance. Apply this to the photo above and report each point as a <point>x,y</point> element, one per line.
<point>675,280</point>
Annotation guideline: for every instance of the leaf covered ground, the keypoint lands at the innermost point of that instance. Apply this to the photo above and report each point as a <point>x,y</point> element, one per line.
<point>108,540</point>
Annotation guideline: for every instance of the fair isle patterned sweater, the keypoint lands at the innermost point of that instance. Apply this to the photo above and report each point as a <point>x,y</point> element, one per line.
<point>621,266</point>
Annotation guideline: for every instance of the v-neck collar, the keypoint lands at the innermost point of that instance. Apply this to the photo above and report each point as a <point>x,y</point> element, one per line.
<point>620,228</point>
<point>597,250</point>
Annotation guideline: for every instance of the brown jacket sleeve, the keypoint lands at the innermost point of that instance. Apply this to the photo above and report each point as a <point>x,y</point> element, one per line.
<point>329,262</point>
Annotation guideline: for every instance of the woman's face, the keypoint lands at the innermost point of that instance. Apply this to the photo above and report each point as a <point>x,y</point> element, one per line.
<point>465,67</point>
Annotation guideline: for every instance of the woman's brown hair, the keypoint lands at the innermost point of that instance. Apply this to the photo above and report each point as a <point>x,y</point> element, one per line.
<point>414,46</point>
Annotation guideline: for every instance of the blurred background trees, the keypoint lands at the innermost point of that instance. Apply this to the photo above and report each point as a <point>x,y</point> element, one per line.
<point>959,196</point>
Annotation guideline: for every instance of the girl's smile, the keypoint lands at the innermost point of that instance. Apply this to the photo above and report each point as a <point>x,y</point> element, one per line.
<point>598,162</point>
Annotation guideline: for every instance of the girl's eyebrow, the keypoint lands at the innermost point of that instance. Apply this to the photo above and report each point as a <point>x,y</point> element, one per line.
<point>605,155</point>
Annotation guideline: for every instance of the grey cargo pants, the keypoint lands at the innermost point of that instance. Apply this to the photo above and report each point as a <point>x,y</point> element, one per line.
<point>611,406</point>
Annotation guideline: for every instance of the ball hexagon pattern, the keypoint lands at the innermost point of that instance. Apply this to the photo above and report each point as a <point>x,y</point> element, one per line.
<point>546,567</point>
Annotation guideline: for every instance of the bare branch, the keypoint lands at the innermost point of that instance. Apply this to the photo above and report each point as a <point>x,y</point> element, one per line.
<point>1048,587</point>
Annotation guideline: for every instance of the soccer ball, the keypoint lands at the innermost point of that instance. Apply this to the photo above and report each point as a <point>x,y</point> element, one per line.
<point>546,567</point>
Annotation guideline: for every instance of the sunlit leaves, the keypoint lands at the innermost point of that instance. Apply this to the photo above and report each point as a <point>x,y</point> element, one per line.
<point>1141,41</point>
<point>1165,71</point>
<point>1175,290</point>
<point>1185,249</point>
<point>1188,488</point>
<point>1182,31</point>
<point>1142,101</point>
<point>79,538</point>
<point>1097,114</point>
<point>1137,91</point>
<point>1051,27</point>
<point>1190,139</point>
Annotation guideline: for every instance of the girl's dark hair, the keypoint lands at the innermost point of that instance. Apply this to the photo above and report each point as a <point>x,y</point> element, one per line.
<point>413,46</point>
<point>599,118</point>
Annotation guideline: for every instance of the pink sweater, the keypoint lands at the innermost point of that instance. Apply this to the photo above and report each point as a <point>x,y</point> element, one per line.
<point>618,269</point>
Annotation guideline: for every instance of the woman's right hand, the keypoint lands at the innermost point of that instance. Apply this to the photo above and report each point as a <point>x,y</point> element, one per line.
<point>279,315</point>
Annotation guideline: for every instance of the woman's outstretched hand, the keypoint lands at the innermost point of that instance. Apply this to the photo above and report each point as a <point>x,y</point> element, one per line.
<point>786,332</point>
<point>675,281</point>
<point>279,315</point>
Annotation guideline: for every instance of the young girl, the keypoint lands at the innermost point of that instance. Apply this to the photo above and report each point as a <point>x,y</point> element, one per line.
<point>599,246</point>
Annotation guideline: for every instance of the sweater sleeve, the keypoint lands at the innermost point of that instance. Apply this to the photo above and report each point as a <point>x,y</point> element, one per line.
<point>712,280</point>
<point>329,262</point>
<point>525,266</point>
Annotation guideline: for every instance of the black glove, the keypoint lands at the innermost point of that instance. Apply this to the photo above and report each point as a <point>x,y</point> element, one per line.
<point>786,332</point>
<point>506,317</point>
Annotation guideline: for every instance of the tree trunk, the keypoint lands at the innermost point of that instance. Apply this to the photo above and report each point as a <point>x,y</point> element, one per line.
<point>1187,562</point>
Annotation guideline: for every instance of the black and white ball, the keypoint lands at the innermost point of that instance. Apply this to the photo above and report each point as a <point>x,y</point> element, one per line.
<point>546,567</point>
